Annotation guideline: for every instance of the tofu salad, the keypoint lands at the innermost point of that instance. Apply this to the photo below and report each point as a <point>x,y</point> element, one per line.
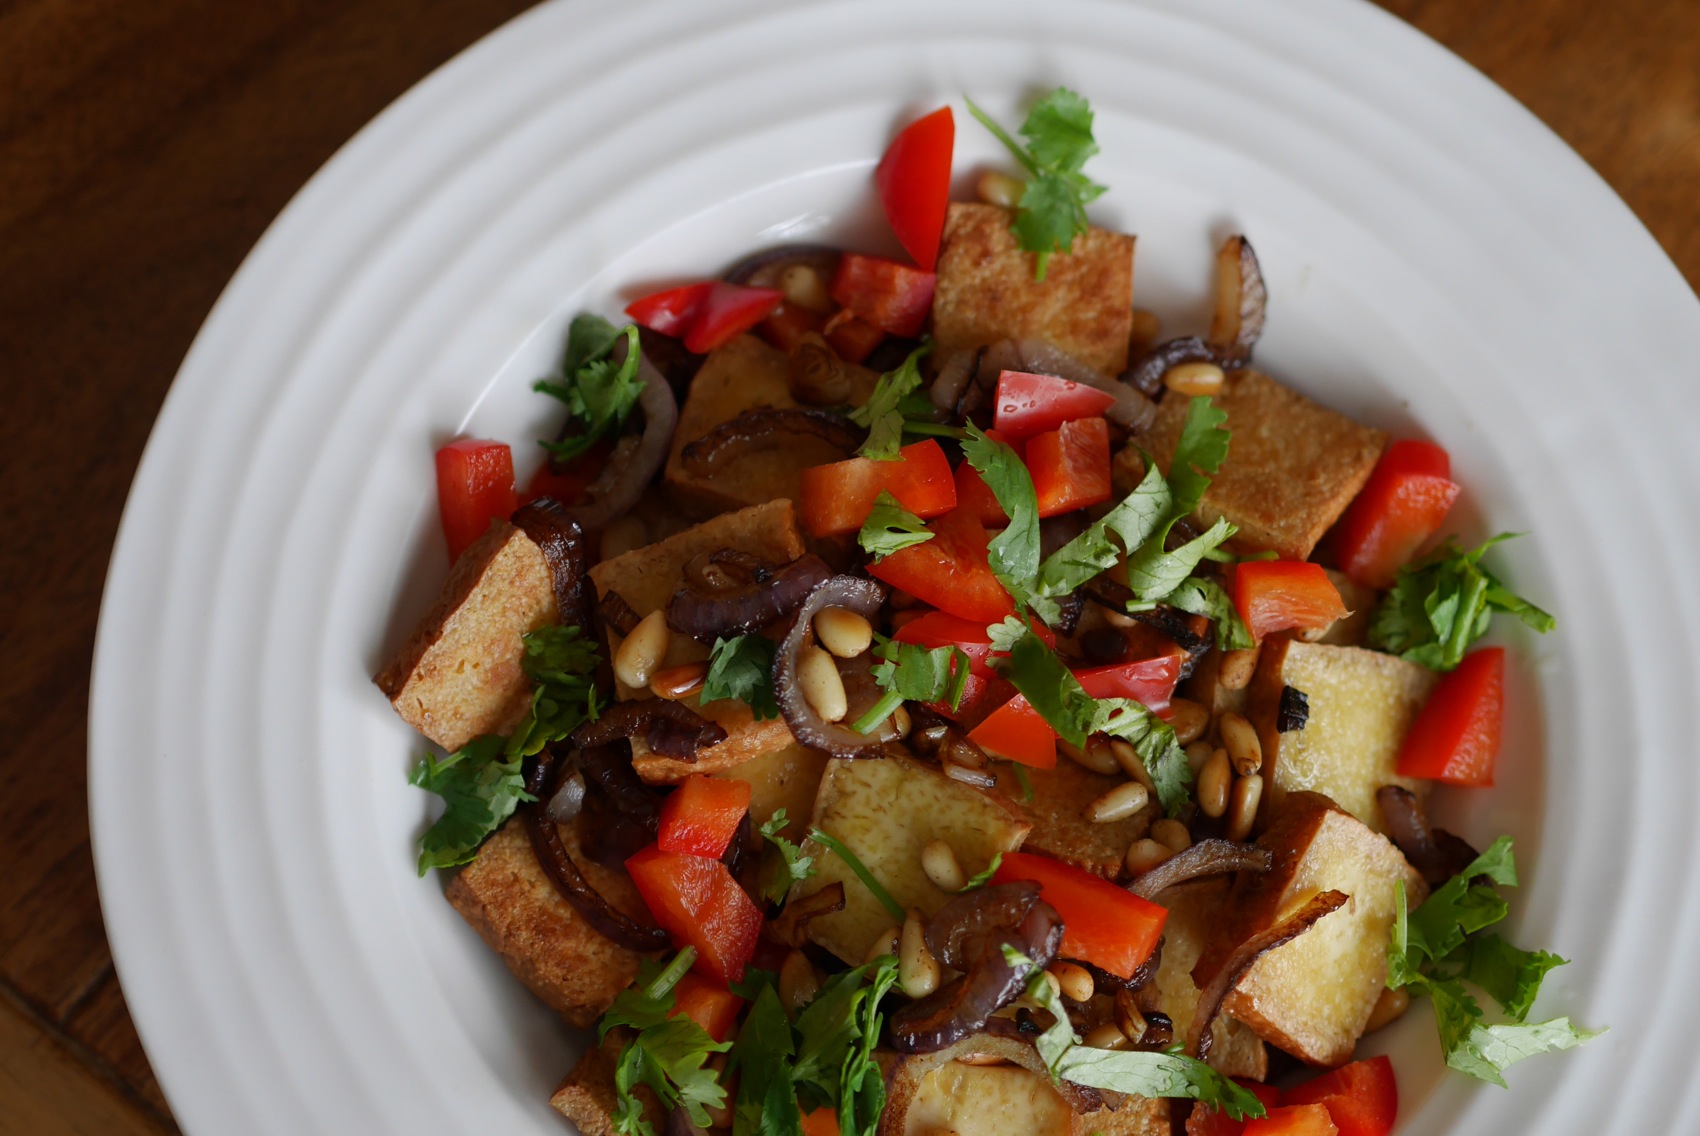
<point>916,696</point>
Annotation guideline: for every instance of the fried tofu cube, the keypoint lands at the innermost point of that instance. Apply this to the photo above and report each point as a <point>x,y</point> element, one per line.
<point>512,904</point>
<point>1195,910</point>
<point>885,810</point>
<point>1057,813</point>
<point>1135,1116</point>
<point>647,577</point>
<point>1361,704</point>
<point>589,1096</point>
<point>788,779</point>
<point>1292,467</point>
<point>1312,996</point>
<point>747,374</point>
<point>987,1100</point>
<point>458,676</point>
<point>986,290</point>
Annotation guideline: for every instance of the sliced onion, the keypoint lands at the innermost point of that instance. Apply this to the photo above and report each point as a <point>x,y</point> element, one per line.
<point>1240,301</point>
<point>955,372</point>
<point>635,460</point>
<point>1133,411</point>
<point>671,729</point>
<point>568,799</point>
<point>1146,374</point>
<point>790,927</point>
<point>551,527</point>
<point>965,920</point>
<point>763,427</point>
<point>762,269</point>
<point>770,596</point>
<point>864,597</point>
<point>1206,858</point>
<point>1436,854</point>
<point>617,613</point>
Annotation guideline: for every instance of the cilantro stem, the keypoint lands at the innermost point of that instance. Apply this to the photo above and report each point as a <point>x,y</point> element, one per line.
<point>934,429</point>
<point>669,978</point>
<point>879,712</point>
<point>833,844</point>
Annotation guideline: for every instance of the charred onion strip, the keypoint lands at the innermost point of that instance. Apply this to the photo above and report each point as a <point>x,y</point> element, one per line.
<point>552,528</point>
<point>672,729</point>
<point>763,268</point>
<point>1146,375</point>
<point>755,427</point>
<point>617,613</point>
<point>636,458</point>
<point>791,926</point>
<point>769,597</point>
<point>853,593</point>
<point>1240,301</point>
<point>1435,853</point>
<point>1206,858</point>
<point>937,737</point>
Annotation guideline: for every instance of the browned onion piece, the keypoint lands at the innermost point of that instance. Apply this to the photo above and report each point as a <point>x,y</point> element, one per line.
<point>1247,953</point>
<point>762,269</point>
<point>635,459</point>
<point>863,597</point>
<point>937,737</point>
<point>567,800</point>
<point>1146,375</point>
<point>763,427</point>
<point>672,729</point>
<point>790,927</point>
<point>770,596</point>
<point>955,372</point>
<point>1206,858</point>
<point>1240,301</point>
<point>966,919</point>
<point>617,613</point>
<point>567,552</point>
<point>1436,854</point>
<point>669,357</point>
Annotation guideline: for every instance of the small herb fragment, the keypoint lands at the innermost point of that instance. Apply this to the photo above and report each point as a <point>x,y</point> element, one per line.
<point>742,668</point>
<point>890,527</point>
<point>1442,604</point>
<point>884,413</point>
<point>599,396</point>
<point>981,879</point>
<point>667,1055</point>
<point>795,867</point>
<point>1013,553</point>
<point>838,848</point>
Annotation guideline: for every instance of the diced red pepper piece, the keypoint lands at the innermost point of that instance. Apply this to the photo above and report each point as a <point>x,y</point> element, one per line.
<point>850,338</point>
<point>1148,681</point>
<point>950,571</point>
<point>913,180</point>
<point>568,483</point>
<point>1293,1120</point>
<point>671,312</point>
<point>698,903</point>
<point>973,494</point>
<point>701,816</point>
<point>837,497</point>
<point>1028,404</point>
<point>893,297</point>
<point>1403,503</point>
<point>820,1122</point>
<point>1207,1120</point>
<point>705,315</point>
<point>1017,732</point>
<point>1070,466</point>
<point>708,1004</point>
<point>1275,595</point>
<point>475,485</point>
<point>1106,925</point>
<point>787,324</point>
<point>1456,735</point>
<point>1362,1098</point>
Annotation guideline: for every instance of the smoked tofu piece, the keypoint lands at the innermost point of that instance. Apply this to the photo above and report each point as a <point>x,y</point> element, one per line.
<point>1362,703</point>
<point>986,290</point>
<point>458,676</point>
<point>589,1096</point>
<point>647,577</point>
<point>788,779</point>
<point>1312,996</point>
<point>1292,467</point>
<point>885,810</point>
<point>747,374</point>
<point>987,1100</point>
<point>1057,813</point>
<point>506,897</point>
<point>1195,910</point>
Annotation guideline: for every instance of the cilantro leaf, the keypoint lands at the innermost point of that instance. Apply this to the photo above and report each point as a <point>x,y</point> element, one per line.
<point>1200,595</point>
<point>742,668</point>
<point>562,662</point>
<point>599,396</point>
<point>911,671</point>
<point>1154,741</point>
<point>982,878</point>
<point>795,867</point>
<point>883,413</point>
<point>1133,521</point>
<point>761,1057</point>
<point>1443,603</point>
<point>1153,573</point>
<point>838,848</point>
<point>1004,635</point>
<point>1013,553</point>
<point>1199,454</point>
<point>1510,975</point>
<point>1487,1051</point>
<point>890,527</point>
<point>667,1054</point>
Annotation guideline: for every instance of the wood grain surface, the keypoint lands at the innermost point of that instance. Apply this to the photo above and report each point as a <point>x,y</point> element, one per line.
<point>144,147</point>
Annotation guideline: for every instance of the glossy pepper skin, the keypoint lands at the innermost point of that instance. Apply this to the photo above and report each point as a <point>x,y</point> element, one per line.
<point>837,497</point>
<point>1283,595</point>
<point>1400,507</point>
<point>475,486</point>
<point>701,816</point>
<point>698,903</point>
<point>1106,925</point>
<point>913,180</point>
<point>1456,735</point>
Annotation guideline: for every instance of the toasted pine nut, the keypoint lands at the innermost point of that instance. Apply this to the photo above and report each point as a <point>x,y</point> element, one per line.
<point>1094,755</point>
<point>1145,854</point>
<point>1188,718</point>
<point>802,286</point>
<point>678,682</point>
<point>622,535</point>
<point>642,651</point>
<point>1192,379</point>
<point>1236,669</point>
<point>1213,784</point>
<point>843,632</point>
<point>1239,738</point>
<point>1171,834</point>
<point>1128,758</point>
<point>1119,803</point>
<point>917,969</point>
<point>822,686</point>
<point>1146,327</point>
<point>799,981</point>
<point>885,943</point>
<point>902,722</point>
<point>1390,1006</point>
<point>1075,982</point>
<point>1248,794</point>
<point>938,860</point>
<point>1197,753</point>
<point>997,188</point>
<point>1106,1036</point>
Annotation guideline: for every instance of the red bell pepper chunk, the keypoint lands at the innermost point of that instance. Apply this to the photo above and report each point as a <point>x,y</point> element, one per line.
<point>1027,404</point>
<point>1293,1120</point>
<point>1017,732</point>
<point>475,485</point>
<point>1148,681</point>
<point>698,903</point>
<point>1208,1120</point>
<point>892,297</point>
<point>1403,503</point>
<point>671,312</point>
<point>1070,466</point>
<point>913,180</point>
<point>821,1122</point>
<point>1456,735</point>
<point>974,495</point>
<point>708,1004</point>
<point>1275,595</point>
<point>852,339</point>
<point>837,497</point>
<point>1361,1098</point>
<point>568,483</point>
<point>701,816</point>
<point>1107,926</point>
<point>950,571</point>
<point>705,315</point>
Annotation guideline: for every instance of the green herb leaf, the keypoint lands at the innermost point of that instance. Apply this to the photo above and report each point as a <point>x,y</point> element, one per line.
<point>1510,975</point>
<point>1154,741</point>
<point>922,674</point>
<point>742,668</point>
<point>795,867</point>
<point>1004,635</point>
<point>480,790</point>
<point>1013,553</point>
<point>1200,595</point>
<point>1443,603</point>
<point>838,848</point>
<point>1153,573</point>
<point>981,879</point>
<point>667,1054</point>
<point>762,1059</point>
<point>598,395</point>
<point>1199,454</point>
<point>1487,1051</point>
<point>883,414</point>
<point>562,664</point>
<point>1133,521</point>
<point>890,527</point>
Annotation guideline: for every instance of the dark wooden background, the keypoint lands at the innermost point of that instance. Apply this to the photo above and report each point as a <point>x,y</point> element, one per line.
<point>146,144</point>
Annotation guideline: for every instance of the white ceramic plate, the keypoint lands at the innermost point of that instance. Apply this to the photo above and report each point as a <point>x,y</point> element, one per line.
<point>1438,262</point>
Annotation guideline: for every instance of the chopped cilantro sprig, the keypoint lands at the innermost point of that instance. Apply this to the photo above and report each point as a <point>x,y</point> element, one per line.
<point>890,527</point>
<point>599,395</point>
<point>888,411</point>
<point>1442,604</point>
<point>911,672</point>
<point>794,867</point>
<point>742,668</point>
<point>668,1054</point>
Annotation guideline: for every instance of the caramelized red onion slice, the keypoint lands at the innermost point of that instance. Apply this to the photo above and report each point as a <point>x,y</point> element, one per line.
<point>636,458</point>
<point>1436,854</point>
<point>1206,858</point>
<point>853,593</point>
<point>1146,374</point>
<point>671,729</point>
<point>567,800</point>
<point>1240,301</point>
<point>617,613</point>
<point>770,596</point>
<point>790,927</point>
<point>552,527</point>
<point>764,427</point>
<point>763,268</point>
<point>956,932</point>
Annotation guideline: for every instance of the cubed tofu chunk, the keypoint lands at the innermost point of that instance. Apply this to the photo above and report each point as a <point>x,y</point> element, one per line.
<point>647,577</point>
<point>1361,705</point>
<point>986,290</point>
<point>1057,813</point>
<point>1292,467</point>
<point>1135,1116</point>
<point>885,810</point>
<point>747,374</point>
<point>506,897</point>
<point>1195,911</point>
<point>458,676</point>
<point>589,1097</point>
<point>987,1100</point>
<point>1312,996</point>
<point>788,779</point>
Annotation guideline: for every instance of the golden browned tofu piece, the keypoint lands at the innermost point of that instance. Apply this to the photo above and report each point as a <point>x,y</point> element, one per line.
<point>885,810</point>
<point>1195,910</point>
<point>588,1095</point>
<point>1362,703</point>
<point>788,779</point>
<point>747,374</point>
<point>1136,1116</point>
<point>1292,467</point>
<point>1057,813</point>
<point>647,577</point>
<point>1313,995</point>
<point>459,674</point>
<point>506,897</point>
<point>986,291</point>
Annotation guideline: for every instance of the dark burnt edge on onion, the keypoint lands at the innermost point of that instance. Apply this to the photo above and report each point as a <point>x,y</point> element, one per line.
<point>617,613</point>
<point>1146,374</point>
<point>1292,712</point>
<point>1206,858</point>
<point>790,927</point>
<point>752,426</point>
<point>745,269</point>
<point>1436,854</point>
<point>671,729</point>
<point>634,463</point>
<point>566,549</point>
<point>707,616</point>
<point>864,597</point>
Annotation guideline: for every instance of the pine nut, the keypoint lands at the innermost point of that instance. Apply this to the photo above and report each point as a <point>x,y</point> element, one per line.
<point>802,286</point>
<point>1106,1036</point>
<point>642,651</point>
<point>1193,379</point>
<point>997,188</point>
<point>1145,854</point>
<point>823,688</point>
<point>1390,1006</point>
<point>1214,781</point>
<point>799,981</point>
<point>938,860</point>
<point>1119,803</point>
<point>1236,668</point>
<point>1188,719</point>
<point>1146,327</point>
<point>1075,982</point>
<point>1239,738</point>
<point>1242,814</point>
<point>1094,755</point>
<point>678,682</point>
<point>1128,758</point>
<point>1197,753</point>
<point>917,969</point>
<point>843,632</point>
<point>622,535</point>
<point>885,943</point>
<point>902,722</point>
<point>1171,834</point>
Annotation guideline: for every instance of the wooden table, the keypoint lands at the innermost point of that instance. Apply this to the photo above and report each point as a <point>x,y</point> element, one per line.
<point>144,146</point>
